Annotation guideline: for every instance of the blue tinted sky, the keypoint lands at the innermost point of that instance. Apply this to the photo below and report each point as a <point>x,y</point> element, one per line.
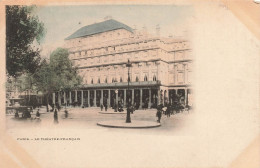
<point>62,21</point>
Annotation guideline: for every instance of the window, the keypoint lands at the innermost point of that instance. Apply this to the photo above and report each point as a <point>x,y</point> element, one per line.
<point>98,80</point>
<point>145,77</point>
<point>92,81</point>
<point>121,79</point>
<point>154,78</point>
<point>180,77</point>
<point>106,80</point>
<point>136,79</point>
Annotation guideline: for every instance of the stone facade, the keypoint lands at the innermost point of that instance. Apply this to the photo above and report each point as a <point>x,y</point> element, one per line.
<point>161,68</point>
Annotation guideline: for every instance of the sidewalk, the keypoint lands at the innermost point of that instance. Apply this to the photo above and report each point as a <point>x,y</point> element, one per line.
<point>133,124</point>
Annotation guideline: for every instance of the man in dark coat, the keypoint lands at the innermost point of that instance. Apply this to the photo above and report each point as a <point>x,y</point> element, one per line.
<point>101,107</point>
<point>159,115</point>
<point>168,110</point>
<point>55,116</point>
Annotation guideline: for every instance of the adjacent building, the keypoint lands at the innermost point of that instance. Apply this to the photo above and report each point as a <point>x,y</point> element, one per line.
<point>160,72</point>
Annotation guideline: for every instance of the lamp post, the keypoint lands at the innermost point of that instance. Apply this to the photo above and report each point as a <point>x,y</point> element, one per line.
<point>128,118</point>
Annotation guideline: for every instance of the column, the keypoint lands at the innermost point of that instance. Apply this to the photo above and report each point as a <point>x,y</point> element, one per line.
<point>88,98</point>
<point>117,97</point>
<point>76,95</point>
<point>167,96</point>
<point>95,96</point>
<point>150,98</point>
<point>102,102</point>
<point>64,98</point>
<point>163,96</point>
<point>125,97</point>
<point>108,101</point>
<point>133,96</point>
<point>59,98</point>
<point>53,98</point>
<point>175,74</point>
<point>141,98</point>
<point>70,98</point>
<point>186,96</point>
<point>159,97</point>
<point>82,101</point>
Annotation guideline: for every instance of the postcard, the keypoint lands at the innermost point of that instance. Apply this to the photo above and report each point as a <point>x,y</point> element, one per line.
<point>130,84</point>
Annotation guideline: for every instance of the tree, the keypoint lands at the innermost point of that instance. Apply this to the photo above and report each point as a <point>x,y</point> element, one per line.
<point>57,75</point>
<point>24,32</point>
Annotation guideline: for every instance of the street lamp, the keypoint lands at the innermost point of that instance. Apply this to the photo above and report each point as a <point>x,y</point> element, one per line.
<point>128,118</point>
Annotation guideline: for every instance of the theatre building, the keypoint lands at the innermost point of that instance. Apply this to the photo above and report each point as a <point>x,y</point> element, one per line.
<point>161,67</point>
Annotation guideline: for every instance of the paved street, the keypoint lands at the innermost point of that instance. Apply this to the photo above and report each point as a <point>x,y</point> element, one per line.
<point>88,118</point>
<point>172,143</point>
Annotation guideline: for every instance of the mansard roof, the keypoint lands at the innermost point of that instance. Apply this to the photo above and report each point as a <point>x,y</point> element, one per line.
<point>100,27</point>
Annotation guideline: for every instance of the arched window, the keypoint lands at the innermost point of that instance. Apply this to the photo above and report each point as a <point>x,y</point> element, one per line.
<point>154,78</point>
<point>136,79</point>
<point>121,79</point>
<point>145,78</point>
<point>92,81</point>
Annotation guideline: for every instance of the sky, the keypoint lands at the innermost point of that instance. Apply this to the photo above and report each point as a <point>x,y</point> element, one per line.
<point>62,21</point>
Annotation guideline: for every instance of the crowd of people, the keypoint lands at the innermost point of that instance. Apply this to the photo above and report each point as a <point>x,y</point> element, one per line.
<point>170,109</point>
<point>167,109</point>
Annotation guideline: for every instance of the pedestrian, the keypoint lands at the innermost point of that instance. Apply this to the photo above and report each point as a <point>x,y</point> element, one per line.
<point>164,109</point>
<point>105,107</point>
<point>66,112</point>
<point>115,107</point>
<point>38,114</point>
<point>168,110</point>
<point>101,106</point>
<point>16,114</point>
<point>56,116</point>
<point>159,115</point>
<point>27,113</point>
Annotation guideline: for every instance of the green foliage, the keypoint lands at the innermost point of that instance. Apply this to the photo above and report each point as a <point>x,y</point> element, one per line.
<point>24,32</point>
<point>58,75</point>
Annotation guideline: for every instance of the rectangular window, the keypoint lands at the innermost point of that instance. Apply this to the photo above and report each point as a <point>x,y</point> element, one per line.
<point>180,78</point>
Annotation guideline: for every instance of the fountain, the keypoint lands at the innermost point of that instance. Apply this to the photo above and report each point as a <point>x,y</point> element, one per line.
<point>14,108</point>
